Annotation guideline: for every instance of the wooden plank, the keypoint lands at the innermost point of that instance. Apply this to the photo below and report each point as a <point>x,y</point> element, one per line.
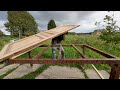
<point>100,52</point>
<point>78,51</point>
<point>65,61</point>
<point>40,35</point>
<point>46,34</point>
<point>97,72</point>
<point>27,44</point>
<point>3,50</point>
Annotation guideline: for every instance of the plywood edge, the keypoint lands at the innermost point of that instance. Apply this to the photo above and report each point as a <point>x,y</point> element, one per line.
<point>4,49</point>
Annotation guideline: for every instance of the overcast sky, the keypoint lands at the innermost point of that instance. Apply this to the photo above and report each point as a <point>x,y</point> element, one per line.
<point>86,19</point>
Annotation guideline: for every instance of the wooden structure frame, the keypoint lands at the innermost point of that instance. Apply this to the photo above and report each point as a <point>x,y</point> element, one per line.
<point>12,50</point>
<point>111,60</point>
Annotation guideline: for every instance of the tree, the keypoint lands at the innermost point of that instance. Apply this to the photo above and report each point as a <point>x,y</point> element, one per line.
<point>111,32</point>
<point>51,24</point>
<point>21,23</point>
<point>1,33</point>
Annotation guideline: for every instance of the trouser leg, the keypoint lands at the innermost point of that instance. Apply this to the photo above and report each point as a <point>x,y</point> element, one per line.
<point>54,53</point>
<point>62,52</point>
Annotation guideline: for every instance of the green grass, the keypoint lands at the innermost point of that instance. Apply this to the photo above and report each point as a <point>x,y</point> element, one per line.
<point>4,41</point>
<point>91,40</point>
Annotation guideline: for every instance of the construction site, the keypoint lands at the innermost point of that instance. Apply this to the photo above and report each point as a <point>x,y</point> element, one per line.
<point>23,66</point>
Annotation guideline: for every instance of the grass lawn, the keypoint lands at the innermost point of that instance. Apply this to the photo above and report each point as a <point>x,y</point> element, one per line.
<point>70,52</point>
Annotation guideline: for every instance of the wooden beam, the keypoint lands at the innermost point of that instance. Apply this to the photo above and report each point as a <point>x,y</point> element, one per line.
<point>65,45</point>
<point>66,61</point>
<point>78,51</point>
<point>39,54</point>
<point>97,72</point>
<point>84,49</point>
<point>100,52</point>
<point>115,72</point>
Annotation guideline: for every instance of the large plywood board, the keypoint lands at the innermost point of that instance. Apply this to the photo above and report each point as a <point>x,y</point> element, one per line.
<point>27,44</point>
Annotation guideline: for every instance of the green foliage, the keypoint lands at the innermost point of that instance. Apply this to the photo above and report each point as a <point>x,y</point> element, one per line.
<point>1,33</point>
<point>71,33</point>
<point>111,32</point>
<point>51,24</point>
<point>4,41</point>
<point>21,23</point>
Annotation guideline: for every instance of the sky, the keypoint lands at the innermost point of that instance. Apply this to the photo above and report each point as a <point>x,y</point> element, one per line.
<point>86,19</point>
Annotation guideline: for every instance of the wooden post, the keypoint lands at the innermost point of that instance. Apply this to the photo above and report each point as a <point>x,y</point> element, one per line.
<point>83,47</point>
<point>29,55</point>
<point>115,72</point>
<point>59,54</point>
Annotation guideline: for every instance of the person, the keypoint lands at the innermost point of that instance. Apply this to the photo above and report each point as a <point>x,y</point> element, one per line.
<point>58,40</point>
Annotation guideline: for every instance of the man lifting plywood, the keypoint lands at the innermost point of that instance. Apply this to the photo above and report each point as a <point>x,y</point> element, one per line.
<point>27,44</point>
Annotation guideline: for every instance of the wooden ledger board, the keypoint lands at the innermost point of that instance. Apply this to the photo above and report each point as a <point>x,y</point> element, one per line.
<point>15,49</point>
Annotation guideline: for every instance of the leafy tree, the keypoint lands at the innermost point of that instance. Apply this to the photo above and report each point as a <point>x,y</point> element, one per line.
<point>51,24</point>
<point>1,33</point>
<point>111,32</point>
<point>21,23</point>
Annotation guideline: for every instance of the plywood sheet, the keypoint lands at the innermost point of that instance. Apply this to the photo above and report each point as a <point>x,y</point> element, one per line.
<point>27,44</point>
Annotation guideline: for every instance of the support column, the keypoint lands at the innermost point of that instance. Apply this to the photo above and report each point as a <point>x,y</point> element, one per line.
<point>83,47</point>
<point>115,72</point>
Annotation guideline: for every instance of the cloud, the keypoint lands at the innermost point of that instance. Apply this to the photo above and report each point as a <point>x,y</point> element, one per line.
<point>60,17</point>
<point>86,19</point>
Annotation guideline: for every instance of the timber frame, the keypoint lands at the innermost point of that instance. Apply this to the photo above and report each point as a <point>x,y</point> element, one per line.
<point>112,61</point>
